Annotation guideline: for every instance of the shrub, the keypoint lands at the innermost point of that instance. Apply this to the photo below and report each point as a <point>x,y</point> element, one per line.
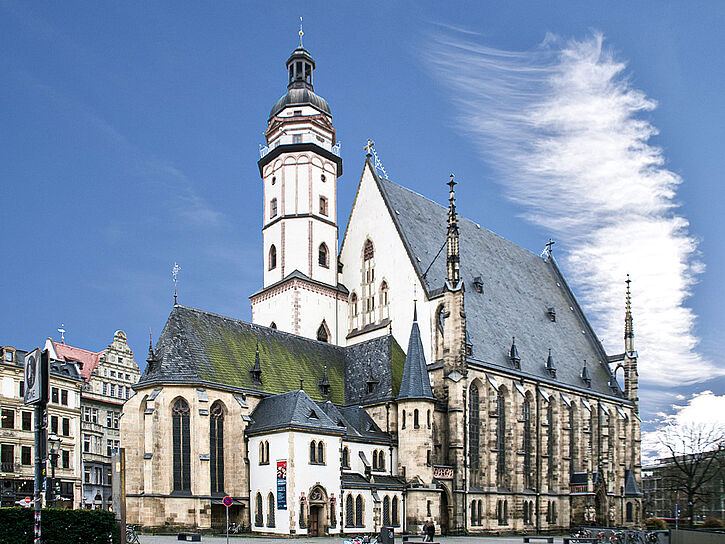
<point>713,523</point>
<point>58,526</point>
<point>657,524</point>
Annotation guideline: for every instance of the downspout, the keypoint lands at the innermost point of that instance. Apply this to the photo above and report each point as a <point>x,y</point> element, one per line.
<point>538,460</point>
<point>465,460</point>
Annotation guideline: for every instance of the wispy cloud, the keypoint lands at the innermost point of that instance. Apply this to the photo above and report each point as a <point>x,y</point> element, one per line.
<point>564,119</point>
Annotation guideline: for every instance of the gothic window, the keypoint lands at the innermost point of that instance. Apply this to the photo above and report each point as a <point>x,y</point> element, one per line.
<point>629,512</point>
<point>216,447</point>
<point>473,513</point>
<point>394,508</point>
<point>182,446</point>
<point>550,443</point>
<point>273,208</point>
<point>403,421</point>
<point>322,334</point>
<point>368,283</point>
<point>375,460</point>
<point>386,511</point>
<point>368,251</point>
<point>526,413</point>
<point>323,206</point>
<point>416,422</point>
<point>349,511</point>
<point>359,511</point>
<point>383,300</point>
<point>270,510</point>
<point>473,426</point>
<point>427,416</point>
<point>272,257</point>
<point>353,303</point>
<point>273,325</point>
<point>258,511</point>
<point>323,257</point>
<point>499,512</point>
<point>313,452</point>
<point>320,452</point>
<point>345,457</point>
<point>505,512</point>
<point>381,460</point>
<point>501,438</point>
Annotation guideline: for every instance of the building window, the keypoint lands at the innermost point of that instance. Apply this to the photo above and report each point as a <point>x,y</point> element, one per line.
<point>86,443</point>
<point>66,426</point>
<point>630,517</point>
<point>474,410</point>
<point>296,139</point>
<point>323,206</point>
<point>526,446</point>
<point>113,389</point>
<point>273,325</point>
<point>65,458</point>
<point>321,452</point>
<point>349,511</point>
<point>272,257</point>
<point>402,426</point>
<point>216,447</point>
<point>501,439</point>
<point>26,456</point>
<point>7,458</point>
<point>313,452</point>
<point>396,516</point>
<point>381,460</point>
<point>7,420</point>
<point>273,208</point>
<point>54,424</point>
<point>386,511</point>
<point>258,511</point>
<point>27,422</point>
<point>64,397</point>
<point>322,334</point>
<point>359,511</point>
<point>550,443</point>
<point>270,510</point>
<point>21,389</point>
<point>54,395</point>
<point>345,457</point>
<point>264,452</point>
<point>416,422</point>
<point>323,257</point>
<point>368,282</point>
<point>181,432</point>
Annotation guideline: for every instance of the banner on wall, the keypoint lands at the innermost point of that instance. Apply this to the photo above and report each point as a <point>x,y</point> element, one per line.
<point>282,485</point>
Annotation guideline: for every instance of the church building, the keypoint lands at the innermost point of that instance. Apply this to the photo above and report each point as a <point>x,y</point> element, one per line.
<point>426,369</point>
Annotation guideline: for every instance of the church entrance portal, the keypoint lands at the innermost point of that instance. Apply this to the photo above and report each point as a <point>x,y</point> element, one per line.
<point>318,522</point>
<point>315,520</point>
<point>444,516</point>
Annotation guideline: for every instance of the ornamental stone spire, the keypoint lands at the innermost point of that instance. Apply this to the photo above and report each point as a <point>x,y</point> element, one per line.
<point>453,261</point>
<point>628,322</point>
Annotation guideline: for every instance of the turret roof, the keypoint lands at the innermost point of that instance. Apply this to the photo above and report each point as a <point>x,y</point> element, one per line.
<point>415,383</point>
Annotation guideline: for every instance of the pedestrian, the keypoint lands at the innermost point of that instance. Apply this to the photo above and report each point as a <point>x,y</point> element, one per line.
<point>430,530</point>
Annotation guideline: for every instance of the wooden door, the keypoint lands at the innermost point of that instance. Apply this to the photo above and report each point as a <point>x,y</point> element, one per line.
<point>315,521</point>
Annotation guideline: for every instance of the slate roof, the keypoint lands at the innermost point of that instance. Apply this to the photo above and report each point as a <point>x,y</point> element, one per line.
<point>355,480</point>
<point>415,383</point>
<point>199,347</point>
<point>630,484</point>
<point>291,410</point>
<point>300,97</point>
<point>519,288</point>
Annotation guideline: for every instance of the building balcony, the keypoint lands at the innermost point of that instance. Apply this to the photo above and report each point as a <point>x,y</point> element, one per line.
<point>8,466</point>
<point>300,139</point>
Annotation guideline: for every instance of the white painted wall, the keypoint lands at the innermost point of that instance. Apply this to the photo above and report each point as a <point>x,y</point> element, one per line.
<point>356,464</point>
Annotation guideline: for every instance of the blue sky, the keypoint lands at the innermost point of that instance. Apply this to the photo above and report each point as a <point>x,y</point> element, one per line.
<point>130,134</point>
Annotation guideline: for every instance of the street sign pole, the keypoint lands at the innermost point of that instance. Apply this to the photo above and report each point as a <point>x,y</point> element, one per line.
<point>227,525</point>
<point>227,501</point>
<point>36,394</point>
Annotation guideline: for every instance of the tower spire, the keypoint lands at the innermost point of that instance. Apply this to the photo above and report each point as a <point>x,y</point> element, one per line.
<point>453,249</point>
<point>301,33</point>
<point>628,322</point>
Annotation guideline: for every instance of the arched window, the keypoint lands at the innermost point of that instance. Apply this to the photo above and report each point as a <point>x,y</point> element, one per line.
<point>396,516</point>
<point>322,334</point>
<point>473,513</point>
<point>375,460</point>
<point>273,325</point>
<point>258,511</point>
<point>345,457</point>
<point>526,415</point>
<point>505,512</point>
<point>403,421</point>
<point>386,511</point>
<point>320,452</point>
<point>359,511</point>
<point>270,510</point>
<point>480,512</point>
<point>381,460</point>
<point>261,453</point>
<point>416,422</point>
<point>272,257</point>
<point>383,300</point>
<point>551,437</point>
<point>182,446</point>
<point>323,258</point>
<point>313,452</point>
<point>273,208</point>
<point>368,251</point>
<point>440,318</point>
<point>216,447</point>
<point>368,283</point>
<point>501,438</point>
<point>349,511</point>
<point>474,410</point>
<point>427,417</point>
<point>353,304</point>
<point>630,517</point>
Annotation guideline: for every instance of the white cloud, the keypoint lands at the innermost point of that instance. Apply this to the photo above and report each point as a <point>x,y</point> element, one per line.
<point>566,130</point>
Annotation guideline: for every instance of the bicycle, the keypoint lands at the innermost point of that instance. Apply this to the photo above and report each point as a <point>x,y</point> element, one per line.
<point>361,540</point>
<point>131,535</point>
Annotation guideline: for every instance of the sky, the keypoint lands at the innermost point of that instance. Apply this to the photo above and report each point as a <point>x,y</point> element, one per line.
<point>130,132</point>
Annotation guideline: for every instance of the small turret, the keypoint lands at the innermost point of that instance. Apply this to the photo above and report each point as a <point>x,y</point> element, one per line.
<point>585,374</point>
<point>415,383</point>
<point>631,376</point>
<point>628,321</point>
<point>256,371</point>
<point>550,367</point>
<point>514,354</point>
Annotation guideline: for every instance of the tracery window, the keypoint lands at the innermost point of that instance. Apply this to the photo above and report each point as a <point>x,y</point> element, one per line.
<point>323,256</point>
<point>526,413</point>
<point>550,443</point>
<point>313,452</point>
<point>272,257</point>
<point>258,511</point>
<point>322,335</point>
<point>368,282</point>
<point>182,446</point>
<point>474,409</point>
<point>320,452</point>
<point>383,300</point>
<point>396,516</point>
<point>381,460</point>
<point>501,438</point>
<point>349,511</point>
<point>386,511</point>
<point>216,447</point>
<point>359,511</point>
<point>270,510</point>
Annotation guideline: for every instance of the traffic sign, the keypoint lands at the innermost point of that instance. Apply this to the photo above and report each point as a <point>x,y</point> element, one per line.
<point>28,499</point>
<point>36,376</point>
<point>227,501</point>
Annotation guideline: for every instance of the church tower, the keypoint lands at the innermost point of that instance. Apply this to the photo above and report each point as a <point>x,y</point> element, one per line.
<point>299,167</point>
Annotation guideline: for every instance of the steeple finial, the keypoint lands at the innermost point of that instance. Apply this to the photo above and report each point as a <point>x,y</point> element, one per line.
<point>301,32</point>
<point>175,274</point>
<point>452,242</point>
<point>415,310</point>
<point>628,321</point>
<point>152,356</point>
<point>514,353</point>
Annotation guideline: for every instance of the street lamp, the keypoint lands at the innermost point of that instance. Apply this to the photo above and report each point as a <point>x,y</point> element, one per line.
<point>53,447</point>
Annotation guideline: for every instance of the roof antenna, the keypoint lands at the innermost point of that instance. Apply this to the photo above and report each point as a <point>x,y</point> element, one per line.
<point>62,332</point>
<point>175,275</point>
<point>301,33</point>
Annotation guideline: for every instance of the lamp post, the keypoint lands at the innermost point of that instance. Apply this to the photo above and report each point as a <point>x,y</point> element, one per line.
<point>53,447</point>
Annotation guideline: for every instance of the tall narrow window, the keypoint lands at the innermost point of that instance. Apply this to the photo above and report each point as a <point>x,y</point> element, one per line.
<point>381,460</point>
<point>550,443</point>
<point>216,447</point>
<point>416,421</point>
<point>272,257</point>
<point>394,509</point>
<point>501,439</point>
<point>386,511</point>
<point>345,457</point>
<point>273,208</point>
<point>368,283</point>
<point>384,309</point>
<point>323,206</point>
<point>320,452</point>
<point>182,446</point>
<point>323,257</point>
<point>270,510</point>
<point>258,511</point>
<point>473,426</point>
<point>349,511</point>
<point>353,303</point>
<point>359,511</point>
<point>526,413</point>
<point>402,426</point>
<point>313,452</point>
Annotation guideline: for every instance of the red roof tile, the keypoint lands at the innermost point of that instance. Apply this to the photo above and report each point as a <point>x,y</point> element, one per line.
<point>89,359</point>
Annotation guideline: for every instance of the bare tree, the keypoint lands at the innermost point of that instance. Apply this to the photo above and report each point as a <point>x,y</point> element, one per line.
<point>696,451</point>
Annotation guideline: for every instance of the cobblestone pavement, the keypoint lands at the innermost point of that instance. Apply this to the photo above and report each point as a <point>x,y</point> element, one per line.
<point>172,539</point>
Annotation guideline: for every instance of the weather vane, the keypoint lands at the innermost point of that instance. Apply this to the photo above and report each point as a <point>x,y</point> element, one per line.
<point>175,275</point>
<point>62,331</point>
<point>301,32</point>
